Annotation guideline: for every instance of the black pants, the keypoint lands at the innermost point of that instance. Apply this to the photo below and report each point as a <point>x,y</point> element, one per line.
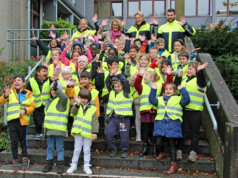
<point>17,134</point>
<point>191,125</point>
<point>147,132</point>
<point>160,143</point>
<point>38,116</point>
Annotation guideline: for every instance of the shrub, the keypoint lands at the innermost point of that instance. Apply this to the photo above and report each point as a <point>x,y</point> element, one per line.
<point>222,45</point>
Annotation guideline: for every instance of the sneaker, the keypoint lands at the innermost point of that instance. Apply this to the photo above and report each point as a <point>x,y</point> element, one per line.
<point>25,164</point>
<point>138,138</point>
<point>38,136</point>
<point>113,152</point>
<point>72,169</point>
<point>192,156</point>
<point>15,165</point>
<point>179,156</point>
<point>124,154</point>
<point>86,169</point>
<point>60,167</point>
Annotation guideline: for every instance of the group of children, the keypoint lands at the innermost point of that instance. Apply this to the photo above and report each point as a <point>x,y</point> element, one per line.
<point>160,93</point>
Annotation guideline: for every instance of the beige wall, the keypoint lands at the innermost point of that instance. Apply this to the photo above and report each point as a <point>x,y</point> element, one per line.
<point>13,16</point>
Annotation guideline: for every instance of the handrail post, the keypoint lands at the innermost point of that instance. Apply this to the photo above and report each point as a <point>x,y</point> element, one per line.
<point>6,60</point>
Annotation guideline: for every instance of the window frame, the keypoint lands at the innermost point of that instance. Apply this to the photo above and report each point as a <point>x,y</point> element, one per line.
<point>110,1</point>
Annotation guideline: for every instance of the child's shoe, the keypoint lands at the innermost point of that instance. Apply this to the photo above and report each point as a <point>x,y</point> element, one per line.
<point>113,152</point>
<point>138,138</point>
<point>179,156</point>
<point>15,165</point>
<point>145,150</point>
<point>38,136</point>
<point>25,164</point>
<point>160,156</point>
<point>72,169</point>
<point>124,154</point>
<point>192,156</point>
<point>48,166</point>
<point>60,167</point>
<point>172,168</point>
<point>154,151</point>
<point>86,169</point>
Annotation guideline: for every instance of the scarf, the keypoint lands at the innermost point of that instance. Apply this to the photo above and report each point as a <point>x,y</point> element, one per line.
<point>115,35</point>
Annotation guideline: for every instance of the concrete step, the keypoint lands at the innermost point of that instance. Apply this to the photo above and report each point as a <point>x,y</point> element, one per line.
<point>31,131</point>
<point>102,159</point>
<point>101,144</point>
<point>35,171</point>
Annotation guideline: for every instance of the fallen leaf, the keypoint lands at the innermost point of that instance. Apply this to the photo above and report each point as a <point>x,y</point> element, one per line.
<point>98,167</point>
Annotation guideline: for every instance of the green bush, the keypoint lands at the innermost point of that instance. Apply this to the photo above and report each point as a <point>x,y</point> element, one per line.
<point>58,24</point>
<point>222,45</point>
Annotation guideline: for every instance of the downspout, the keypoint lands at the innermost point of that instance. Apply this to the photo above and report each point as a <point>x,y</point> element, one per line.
<point>28,27</point>
<point>213,11</point>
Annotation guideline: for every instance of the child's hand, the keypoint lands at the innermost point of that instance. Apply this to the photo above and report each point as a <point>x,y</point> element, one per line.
<point>179,87</point>
<point>169,70</point>
<point>100,70</point>
<point>7,91</point>
<point>34,38</point>
<point>72,82</point>
<point>181,73</point>
<point>153,85</point>
<point>203,66</point>
<point>94,137</point>
<point>127,56</point>
<point>196,49</point>
<point>52,34</point>
<point>22,112</point>
<point>95,18</point>
<point>142,71</point>
<point>77,99</point>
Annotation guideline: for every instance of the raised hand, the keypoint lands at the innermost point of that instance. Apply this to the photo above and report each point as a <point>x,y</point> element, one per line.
<point>123,23</point>
<point>182,20</point>
<point>153,85</point>
<point>77,99</point>
<point>169,70</point>
<point>142,71</point>
<point>127,56</point>
<point>196,49</point>
<point>181,73</point>
<point>7,91</point>
<point>95,18</point>
<point>179,87</point>
<point>34,38</point>
<point>104,22</point>
<point>52,34</point>
<point>100,70</point>
<point>203,66</point>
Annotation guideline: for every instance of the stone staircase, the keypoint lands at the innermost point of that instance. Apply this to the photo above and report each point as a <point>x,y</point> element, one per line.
<point>100,157</point>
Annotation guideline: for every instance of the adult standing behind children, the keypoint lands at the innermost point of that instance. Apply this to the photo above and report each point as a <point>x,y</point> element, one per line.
<point>173,29</point>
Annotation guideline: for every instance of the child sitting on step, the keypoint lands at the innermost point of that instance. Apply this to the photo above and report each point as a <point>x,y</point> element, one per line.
<point>85,129</point>
<point>20,103</point>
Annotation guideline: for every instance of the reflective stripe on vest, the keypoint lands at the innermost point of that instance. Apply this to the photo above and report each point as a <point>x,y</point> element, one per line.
<point>120,104</point>
<point>144,99</point>
<point>173,108</point>
<point>54,119</point>
<point>83,122</point>
<point>44,95</point>
<point>145,27</point>
<point>196,97</point>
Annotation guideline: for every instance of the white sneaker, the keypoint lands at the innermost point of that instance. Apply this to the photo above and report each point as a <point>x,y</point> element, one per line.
<point>179,156</point>
<point>138,139</point>
<point>192,156</point>
<point>72,169</point>
<point>86,169</point>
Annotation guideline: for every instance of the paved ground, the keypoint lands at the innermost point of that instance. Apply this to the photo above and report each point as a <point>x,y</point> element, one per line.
<point>35,171</point>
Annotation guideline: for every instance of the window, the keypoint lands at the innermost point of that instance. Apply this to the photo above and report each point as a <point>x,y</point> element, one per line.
<point>190,8</point>
<point>35,14</point>
<point>148,7</point>
<point>108,8</point>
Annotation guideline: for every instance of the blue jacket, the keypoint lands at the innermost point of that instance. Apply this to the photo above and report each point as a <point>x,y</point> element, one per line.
<point>167,127</point>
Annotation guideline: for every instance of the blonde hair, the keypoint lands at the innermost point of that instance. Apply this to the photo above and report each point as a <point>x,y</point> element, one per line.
<point>140,14</point>
<point>193,64</point>
<point>83,20</point>
<point>154,75</point>
<point>118,22</point>
<point>146,55</point>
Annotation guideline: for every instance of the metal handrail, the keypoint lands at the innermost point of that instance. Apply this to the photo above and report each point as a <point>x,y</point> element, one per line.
<point>212,116</point>
<point>30,71</point>
<point>14,40</point>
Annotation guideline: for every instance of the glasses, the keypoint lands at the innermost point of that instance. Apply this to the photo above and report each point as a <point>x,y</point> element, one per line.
<point>115,24</point>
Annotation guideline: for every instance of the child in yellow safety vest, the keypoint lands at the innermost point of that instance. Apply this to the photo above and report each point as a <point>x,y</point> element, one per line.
<point>55,126</point>
<point>195,83</point>
<point>20,103</point>
<point>168,121</point>
<point>84,130</point>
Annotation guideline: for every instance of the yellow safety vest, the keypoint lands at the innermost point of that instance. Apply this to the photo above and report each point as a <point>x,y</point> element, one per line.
<point>144,98</point>
<point>14,107</point>
<point>174,62</point>
<point>105,90</point>
<point>51,69</point>
<point>48,56</point>
<point>40,96</point>
<point>157,70</point>
<point>85,33</point>
<point>54,119</point>
<point>166,54</point>
<point>173,108</point>
<point>136,32</point>
<point>83,122</point>
<point>120,104</point>
<point>196,97</point>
